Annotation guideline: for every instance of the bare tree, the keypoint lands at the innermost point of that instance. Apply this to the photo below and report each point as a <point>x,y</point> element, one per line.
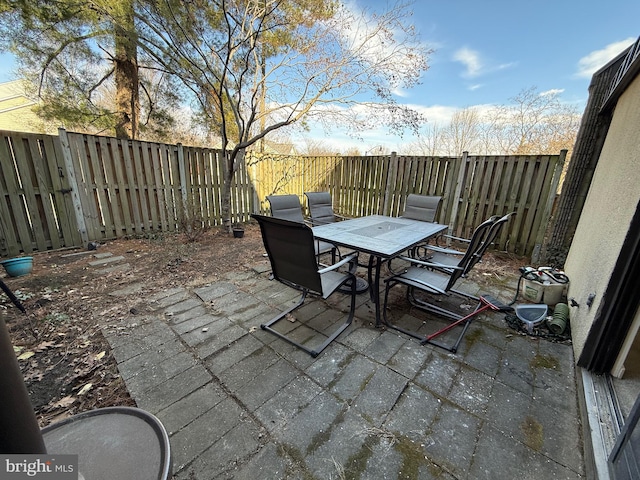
<point>256,66</point>
<point>533,123</point>
<point>462,132</point>
<point>429,142</point>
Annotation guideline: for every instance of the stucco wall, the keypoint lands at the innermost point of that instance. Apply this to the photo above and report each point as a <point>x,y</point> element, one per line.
<point>604,223</point>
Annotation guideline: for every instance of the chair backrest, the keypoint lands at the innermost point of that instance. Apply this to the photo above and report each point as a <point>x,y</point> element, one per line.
<point>289,245</point>
<point>492,234</point>
<point>469,259</point>
<point>320,208</point>
<point>286,207</point>
<point>421,207</point>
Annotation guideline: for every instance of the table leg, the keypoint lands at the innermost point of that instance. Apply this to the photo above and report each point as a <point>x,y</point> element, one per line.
<point>375,263</point>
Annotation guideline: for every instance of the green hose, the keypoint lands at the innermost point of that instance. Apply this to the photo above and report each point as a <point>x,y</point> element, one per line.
<point>558,322</point>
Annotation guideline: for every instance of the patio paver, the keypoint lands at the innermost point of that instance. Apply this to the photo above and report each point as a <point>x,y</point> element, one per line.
<point>241,403</point>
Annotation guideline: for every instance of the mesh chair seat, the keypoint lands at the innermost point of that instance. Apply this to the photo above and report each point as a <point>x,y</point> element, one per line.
<point>431,278</point>
<point>290,248</point>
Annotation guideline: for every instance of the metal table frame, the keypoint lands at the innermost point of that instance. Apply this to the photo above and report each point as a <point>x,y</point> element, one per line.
<point>382,238</point>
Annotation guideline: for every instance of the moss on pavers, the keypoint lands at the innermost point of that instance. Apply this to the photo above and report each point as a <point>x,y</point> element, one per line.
<point>451,441</point>
<point>380,394</point>
<point>287,402</point>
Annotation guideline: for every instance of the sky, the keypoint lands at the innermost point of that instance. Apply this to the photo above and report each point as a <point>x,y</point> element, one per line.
<point>488,51</point>
<point>485,52</point>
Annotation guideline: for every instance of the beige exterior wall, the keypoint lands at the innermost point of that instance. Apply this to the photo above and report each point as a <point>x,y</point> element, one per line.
<point>604,222</point>
<point>16,112</point>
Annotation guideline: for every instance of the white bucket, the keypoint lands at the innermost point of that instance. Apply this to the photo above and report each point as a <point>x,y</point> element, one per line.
<point>532,291</point>
<point>553,293</point>
<point>537,292</point>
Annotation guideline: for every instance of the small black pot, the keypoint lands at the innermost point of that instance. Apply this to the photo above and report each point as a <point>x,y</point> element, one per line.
<point>238,232</point>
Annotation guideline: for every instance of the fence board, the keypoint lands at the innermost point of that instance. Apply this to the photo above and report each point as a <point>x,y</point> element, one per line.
<point>63,191</point>
<point>129,187</point>
<point>14,207</point>
<point>134,187</point>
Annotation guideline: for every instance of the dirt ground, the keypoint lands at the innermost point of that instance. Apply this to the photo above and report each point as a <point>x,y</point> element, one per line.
<point>66,362</point>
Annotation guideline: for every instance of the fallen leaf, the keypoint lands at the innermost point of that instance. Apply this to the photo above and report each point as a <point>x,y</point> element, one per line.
<point>17,349</point>
<point>44,345</point>
<point>85,389</point>
<point>290,317</point>
<point>26,355</point>
<point>64,402</point>
<point>100,355</point>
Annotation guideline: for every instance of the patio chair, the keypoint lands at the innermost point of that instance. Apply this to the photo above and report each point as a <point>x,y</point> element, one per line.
<point>321,211</point>
<point>290,247</point>
<point>321,208</point>
<point>433,279</point>
<point>287,207</point>
<point>421,207</point>
<point>449,257</point>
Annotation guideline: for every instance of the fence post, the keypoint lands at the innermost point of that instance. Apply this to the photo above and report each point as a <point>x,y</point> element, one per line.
<point>391,181</point>
<point>73,184</point>
<point>458,191</point>
<point>255,200</point>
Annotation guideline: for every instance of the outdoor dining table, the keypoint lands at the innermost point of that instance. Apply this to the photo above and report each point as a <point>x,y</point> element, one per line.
<point>381,237</point>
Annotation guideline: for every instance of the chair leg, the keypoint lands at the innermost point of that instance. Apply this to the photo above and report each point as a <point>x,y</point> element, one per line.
<point>314,352</point>
<point>429,339</point>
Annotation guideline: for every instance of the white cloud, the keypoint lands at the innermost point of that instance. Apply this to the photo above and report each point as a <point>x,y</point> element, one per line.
<point>470,59</point>
<point>553,91</point>
<point>399,92</point>
<point>440,114</point>
<point>595,60</point>
<point>475,87</point>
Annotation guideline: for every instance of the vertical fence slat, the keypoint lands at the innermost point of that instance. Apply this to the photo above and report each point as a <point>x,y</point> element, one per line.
<point>125,186</point>
<point>13,213</point>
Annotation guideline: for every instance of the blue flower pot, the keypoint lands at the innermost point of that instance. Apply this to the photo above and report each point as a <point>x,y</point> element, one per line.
<point>16,267</point>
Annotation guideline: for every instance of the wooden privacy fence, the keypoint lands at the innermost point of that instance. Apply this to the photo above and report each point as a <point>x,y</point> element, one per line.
<point>63,191</point>
<point>473,188</point>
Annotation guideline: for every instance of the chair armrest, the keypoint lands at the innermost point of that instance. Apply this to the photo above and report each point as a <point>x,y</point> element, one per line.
<point>428,264</point>
<point>449,251</point>
<point>442,236</point>
<point>337,265</point>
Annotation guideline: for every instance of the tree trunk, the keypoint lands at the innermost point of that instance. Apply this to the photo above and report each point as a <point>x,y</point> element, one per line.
<point>226,189</point>
<point>126,76</point>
